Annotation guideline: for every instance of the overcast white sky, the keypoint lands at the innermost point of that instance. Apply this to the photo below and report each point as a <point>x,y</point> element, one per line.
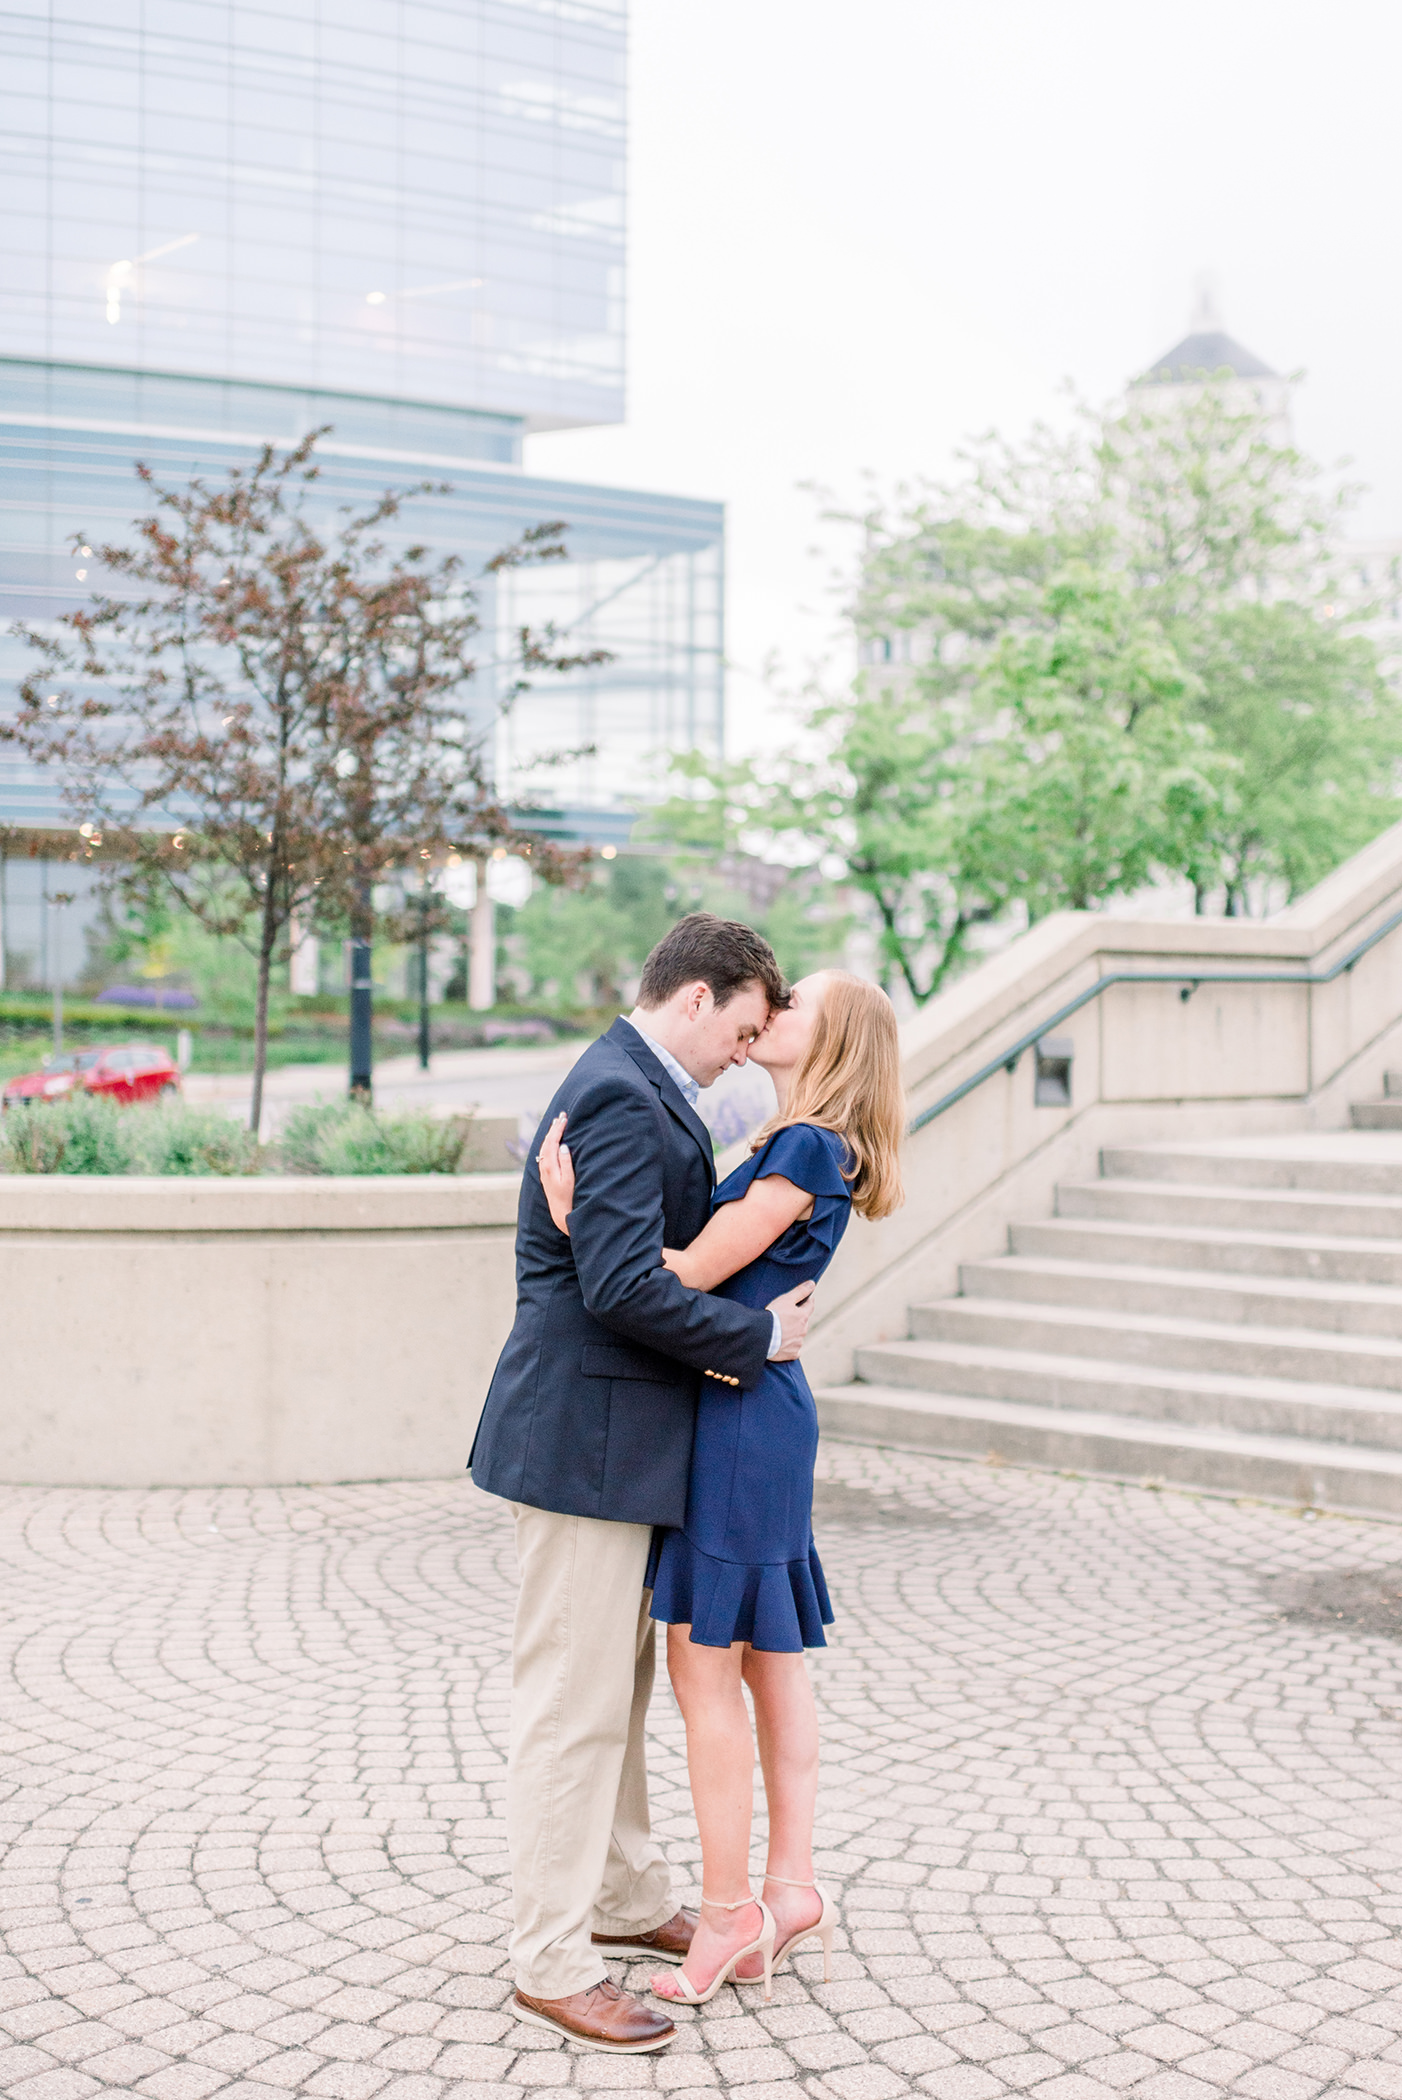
<point>863,228</point>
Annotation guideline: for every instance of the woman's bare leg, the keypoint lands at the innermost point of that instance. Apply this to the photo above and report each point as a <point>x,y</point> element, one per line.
<point>786,1722</point>
<point>720,1757</point>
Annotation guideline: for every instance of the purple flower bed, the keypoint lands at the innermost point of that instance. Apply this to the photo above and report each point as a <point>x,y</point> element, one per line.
<point>146,995</point>
<point>734,1119</point>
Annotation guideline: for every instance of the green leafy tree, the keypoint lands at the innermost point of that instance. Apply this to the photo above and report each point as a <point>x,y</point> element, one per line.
<point>1053,766</point>
<point>568,934</point>
<point>603,931</point>
<point>1222,540</point>
<point>1316,734</point>
<point>1204,505</point>
<point>1093,777</point>
<point>600,931</point>
<point>1232,537</point>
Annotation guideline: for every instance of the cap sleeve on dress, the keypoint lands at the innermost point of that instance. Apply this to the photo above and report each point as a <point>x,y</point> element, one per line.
<point>805,1154</point>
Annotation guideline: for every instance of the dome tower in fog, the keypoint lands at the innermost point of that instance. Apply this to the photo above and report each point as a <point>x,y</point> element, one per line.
<point>1207,352</point>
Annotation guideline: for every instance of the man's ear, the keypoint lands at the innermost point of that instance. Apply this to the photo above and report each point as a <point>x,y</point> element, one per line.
<point>696,1000</point>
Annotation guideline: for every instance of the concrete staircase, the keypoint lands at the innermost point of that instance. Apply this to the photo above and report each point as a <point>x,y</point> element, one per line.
<point>1381,1115</point>
<point>1220,1315</point>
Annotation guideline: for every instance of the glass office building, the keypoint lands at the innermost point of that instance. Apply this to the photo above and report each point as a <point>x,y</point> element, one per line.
<point>226,222</point>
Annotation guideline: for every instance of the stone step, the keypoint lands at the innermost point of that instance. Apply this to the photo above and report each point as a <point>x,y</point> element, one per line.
<point>1299,1470</point>
<point>1223,1250</point>
<point>1188,1294</point>
<point>1376,1115</point>
<point>1152,1338</point>
<point>1199,1399</point>
<point>1325,1213</point>
<point>1336,1160</point>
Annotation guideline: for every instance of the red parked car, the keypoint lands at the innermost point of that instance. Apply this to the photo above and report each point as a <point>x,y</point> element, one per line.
<point>123,1073</point>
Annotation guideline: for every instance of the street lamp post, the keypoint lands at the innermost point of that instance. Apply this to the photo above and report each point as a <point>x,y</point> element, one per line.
<point>362,1076</point>
<point>425,1044</point>
<point>56,904</point>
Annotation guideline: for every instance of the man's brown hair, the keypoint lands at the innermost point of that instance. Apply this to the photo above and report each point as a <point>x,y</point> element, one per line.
<point>723,954</point>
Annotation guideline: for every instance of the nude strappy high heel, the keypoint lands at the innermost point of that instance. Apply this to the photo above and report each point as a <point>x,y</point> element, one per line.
<point>821,1929</point>
<point>686,1992</point>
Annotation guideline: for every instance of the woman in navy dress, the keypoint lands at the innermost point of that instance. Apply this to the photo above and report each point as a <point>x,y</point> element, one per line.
<point>740,1585</point>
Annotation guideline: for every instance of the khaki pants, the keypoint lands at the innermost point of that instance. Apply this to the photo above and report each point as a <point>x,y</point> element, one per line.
<point>583,1858</point>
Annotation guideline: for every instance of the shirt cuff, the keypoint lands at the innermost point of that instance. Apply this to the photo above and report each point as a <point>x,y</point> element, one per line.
<point>777,1342</point>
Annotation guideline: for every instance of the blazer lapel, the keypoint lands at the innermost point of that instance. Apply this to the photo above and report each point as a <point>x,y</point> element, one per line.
<point>673,1099</point>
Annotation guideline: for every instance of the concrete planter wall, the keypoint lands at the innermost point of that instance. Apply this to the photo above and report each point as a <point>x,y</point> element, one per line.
<point>253,1332</point>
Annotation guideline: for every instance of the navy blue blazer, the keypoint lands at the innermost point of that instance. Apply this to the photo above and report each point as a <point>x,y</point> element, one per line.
<point>592,1403</point>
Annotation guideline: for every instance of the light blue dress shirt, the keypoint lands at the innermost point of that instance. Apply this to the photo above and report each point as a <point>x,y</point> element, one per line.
<point>690,1088</point>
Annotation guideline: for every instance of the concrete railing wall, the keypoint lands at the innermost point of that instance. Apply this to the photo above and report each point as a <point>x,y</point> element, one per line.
<point>1148,1065</point>
<point>291,1330</point>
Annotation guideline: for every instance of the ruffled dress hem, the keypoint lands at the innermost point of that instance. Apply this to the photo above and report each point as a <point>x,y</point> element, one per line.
<point>779,1607</point>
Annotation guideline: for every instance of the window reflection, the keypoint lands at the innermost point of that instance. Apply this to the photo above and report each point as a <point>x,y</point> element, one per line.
<point>644,582</point>
<point>498,126</point>
<point>405,221</point>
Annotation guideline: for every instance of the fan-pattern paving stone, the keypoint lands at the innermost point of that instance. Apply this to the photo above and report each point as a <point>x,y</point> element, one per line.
<point>1106,1820</point>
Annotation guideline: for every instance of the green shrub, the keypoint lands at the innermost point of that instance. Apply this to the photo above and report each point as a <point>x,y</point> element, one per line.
<point>340,1137</point>
<point>403,1144</point>
<point>305,1132</point>
<point>173,1139</point>
<point>33,1141</point>
<point>78,1136</point>
<point>87,1136</point>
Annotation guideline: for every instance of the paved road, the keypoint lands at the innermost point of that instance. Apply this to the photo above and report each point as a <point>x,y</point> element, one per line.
<point>1110,1794</point>
<point>505,1081</point>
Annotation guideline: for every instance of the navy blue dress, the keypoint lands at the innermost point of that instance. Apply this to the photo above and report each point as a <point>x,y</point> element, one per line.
<point>743,1567</point>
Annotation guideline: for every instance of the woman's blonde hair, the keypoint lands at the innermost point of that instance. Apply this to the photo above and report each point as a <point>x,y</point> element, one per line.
<point>850,1081</point>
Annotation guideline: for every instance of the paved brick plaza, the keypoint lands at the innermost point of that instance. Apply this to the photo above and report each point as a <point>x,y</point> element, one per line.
<point>1113,1794</point>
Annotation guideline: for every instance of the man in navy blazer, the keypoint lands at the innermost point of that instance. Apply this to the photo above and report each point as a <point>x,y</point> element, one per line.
<point>586,1432</point>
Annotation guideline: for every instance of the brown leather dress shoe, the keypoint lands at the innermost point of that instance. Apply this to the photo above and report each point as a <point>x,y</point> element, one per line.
<point>603,2017</point>
<point>669,1942</point>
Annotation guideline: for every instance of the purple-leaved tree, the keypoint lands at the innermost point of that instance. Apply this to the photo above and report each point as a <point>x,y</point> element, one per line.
<point>268,713</point>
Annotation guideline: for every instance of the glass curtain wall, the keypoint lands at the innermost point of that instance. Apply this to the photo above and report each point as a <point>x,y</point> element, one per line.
<point>383,197</point>
<point>597,733</point>
<point>228,222</point>
<point>643,580</point>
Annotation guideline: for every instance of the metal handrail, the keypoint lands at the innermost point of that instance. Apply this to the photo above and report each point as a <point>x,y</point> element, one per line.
<point>1187,981</point>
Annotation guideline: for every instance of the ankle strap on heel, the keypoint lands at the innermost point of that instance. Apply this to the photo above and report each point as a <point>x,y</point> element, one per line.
<point>785,1883</point>
<point>744,1900</point>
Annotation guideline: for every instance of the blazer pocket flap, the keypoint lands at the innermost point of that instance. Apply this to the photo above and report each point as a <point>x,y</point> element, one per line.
<point>609,1360</point>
